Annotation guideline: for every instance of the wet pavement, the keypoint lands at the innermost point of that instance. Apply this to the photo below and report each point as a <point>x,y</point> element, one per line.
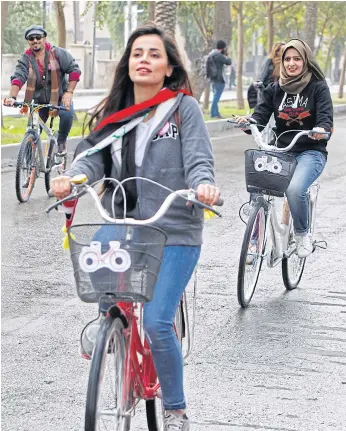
<point>279,365</point>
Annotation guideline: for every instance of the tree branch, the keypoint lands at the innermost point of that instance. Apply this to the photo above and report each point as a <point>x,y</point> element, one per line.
<point>282,8</point>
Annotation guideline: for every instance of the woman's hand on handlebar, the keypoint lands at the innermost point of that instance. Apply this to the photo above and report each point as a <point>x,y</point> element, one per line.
<point>318,136</point>
<point>9,101</point>
<point>60,186</point>
<point>240,120</point>
<point>208,194</point>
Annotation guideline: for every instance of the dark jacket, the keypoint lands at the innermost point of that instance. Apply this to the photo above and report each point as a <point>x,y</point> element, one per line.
<point>68,66</point>
<point>220,61</point>
<point>266,75</point>
<point>311,108</point>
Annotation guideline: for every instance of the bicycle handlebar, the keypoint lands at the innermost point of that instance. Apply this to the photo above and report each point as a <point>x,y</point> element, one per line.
<point>188,195</point>
<point>38,105</point>
<point>260,142</point>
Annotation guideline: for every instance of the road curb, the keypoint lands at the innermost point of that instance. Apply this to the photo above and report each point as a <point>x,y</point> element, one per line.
<point>10,151</point>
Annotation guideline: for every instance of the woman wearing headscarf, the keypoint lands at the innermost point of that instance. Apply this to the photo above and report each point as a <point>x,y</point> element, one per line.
<point>300,100</point>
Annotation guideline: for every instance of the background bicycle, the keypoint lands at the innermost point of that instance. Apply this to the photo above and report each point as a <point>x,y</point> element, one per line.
<point>35,158</point>
<point>269,229</point>
<point>122,371</point>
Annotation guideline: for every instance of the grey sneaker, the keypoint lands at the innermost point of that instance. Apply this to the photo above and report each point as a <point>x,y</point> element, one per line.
<point>89,337</point>
<point>304,245</point>
<point>173,421</point>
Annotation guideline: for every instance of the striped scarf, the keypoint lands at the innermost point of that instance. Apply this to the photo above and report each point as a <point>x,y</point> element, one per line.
<point>54,67</point>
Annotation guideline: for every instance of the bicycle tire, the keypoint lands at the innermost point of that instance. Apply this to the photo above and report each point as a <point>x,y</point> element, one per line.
<point>154,410</point>
<point>51,162</point>
<point>258,212</point>
<point>110,337</point>
<point>290,281</point>
<point>26,157</point>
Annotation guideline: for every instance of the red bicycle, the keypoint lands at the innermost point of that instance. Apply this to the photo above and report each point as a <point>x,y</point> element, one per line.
<point>122,371</point>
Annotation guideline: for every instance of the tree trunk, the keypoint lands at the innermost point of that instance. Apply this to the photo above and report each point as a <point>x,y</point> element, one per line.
<point>151,10</point>
<point>240,100</point>
<point>342,77</point>
<point>166,15</point>
<point>60,17</point>
<point>76,19</point>
<point>310,23</point>
<point>327,63</point>
<point>270,26</point>
<point>206,98</point>
<point>222,22</point>
<point>4,8</point>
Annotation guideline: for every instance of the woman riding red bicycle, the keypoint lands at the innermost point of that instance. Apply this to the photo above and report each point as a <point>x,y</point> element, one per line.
<point>170,145</point>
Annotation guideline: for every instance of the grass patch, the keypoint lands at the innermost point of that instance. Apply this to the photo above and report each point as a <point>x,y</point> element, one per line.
<point>15,128</point>
<point>227,108</point>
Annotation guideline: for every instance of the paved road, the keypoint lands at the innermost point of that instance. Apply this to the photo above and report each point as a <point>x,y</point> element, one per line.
<point>280,365</point>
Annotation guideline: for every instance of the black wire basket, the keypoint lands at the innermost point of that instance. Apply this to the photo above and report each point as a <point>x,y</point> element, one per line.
<point>268,172</point>
<point>122,260</point>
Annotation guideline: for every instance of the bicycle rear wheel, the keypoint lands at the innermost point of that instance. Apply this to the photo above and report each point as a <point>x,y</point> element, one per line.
<point>292,265</point>
<point>56,165</point>
<point>107,397</point>
<point>26,167</point>
<point>251,255</point>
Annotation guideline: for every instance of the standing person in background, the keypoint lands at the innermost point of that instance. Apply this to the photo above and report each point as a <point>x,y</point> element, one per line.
<point>271,68</point>
<point>216,62</point>
<point>51,74</point>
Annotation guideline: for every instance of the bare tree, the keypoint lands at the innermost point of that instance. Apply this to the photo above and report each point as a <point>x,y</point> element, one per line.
<point>151,10</point>
<point>166,15</point>
<point>60,16</point>
<point>342,77</point>
<point>310,23</point>
<point>272,9</point>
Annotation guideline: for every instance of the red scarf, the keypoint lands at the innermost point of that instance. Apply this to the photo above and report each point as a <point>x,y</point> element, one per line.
<point>127,113</point>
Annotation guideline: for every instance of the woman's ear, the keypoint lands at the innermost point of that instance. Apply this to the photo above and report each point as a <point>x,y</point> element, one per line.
<point>169,71</point>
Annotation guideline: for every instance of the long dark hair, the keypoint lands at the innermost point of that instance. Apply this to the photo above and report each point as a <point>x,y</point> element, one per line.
<point>121,95</point>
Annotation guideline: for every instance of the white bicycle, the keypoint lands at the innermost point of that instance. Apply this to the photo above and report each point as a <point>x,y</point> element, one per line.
<point>268,174</point>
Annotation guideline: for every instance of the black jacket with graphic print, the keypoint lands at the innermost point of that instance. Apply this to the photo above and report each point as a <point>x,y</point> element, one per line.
<point>311,108</point>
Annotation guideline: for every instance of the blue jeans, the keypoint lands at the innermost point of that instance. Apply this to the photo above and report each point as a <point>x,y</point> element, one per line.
<point>175,272</point>
<point>177,266</point>
<point>217,88</point>
<point>310,166</point>
<point>65,125</point>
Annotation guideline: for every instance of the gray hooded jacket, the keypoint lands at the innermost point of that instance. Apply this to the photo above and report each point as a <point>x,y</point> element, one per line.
<point>179,159</point>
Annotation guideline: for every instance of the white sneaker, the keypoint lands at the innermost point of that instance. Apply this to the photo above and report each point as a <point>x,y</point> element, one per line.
<point>174,421</point>
<point>304,245</point>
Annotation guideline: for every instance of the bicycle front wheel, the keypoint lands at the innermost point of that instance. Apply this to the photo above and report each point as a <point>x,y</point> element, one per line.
<point>251,255</point>
<point>292,265</point>
<point>107,397</point>
<point>26,168</point>
<point>55,166</point>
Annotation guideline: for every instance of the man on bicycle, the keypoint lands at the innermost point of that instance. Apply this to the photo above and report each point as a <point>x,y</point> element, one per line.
<point>45,68</point>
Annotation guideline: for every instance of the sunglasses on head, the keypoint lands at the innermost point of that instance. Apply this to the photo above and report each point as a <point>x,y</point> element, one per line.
<point>37,37</point>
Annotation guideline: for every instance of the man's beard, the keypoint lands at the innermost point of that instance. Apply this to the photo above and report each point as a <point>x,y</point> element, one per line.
<point>37,48</point>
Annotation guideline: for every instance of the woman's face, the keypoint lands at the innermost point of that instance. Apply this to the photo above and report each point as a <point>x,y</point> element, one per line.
<point>293,62</point>
<point>148,62</point>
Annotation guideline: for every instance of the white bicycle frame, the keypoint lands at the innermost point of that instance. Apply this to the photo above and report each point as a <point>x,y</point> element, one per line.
<point>276,234</point>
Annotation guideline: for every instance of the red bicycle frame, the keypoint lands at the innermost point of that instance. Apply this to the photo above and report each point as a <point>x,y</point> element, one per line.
<point>139,374</point>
